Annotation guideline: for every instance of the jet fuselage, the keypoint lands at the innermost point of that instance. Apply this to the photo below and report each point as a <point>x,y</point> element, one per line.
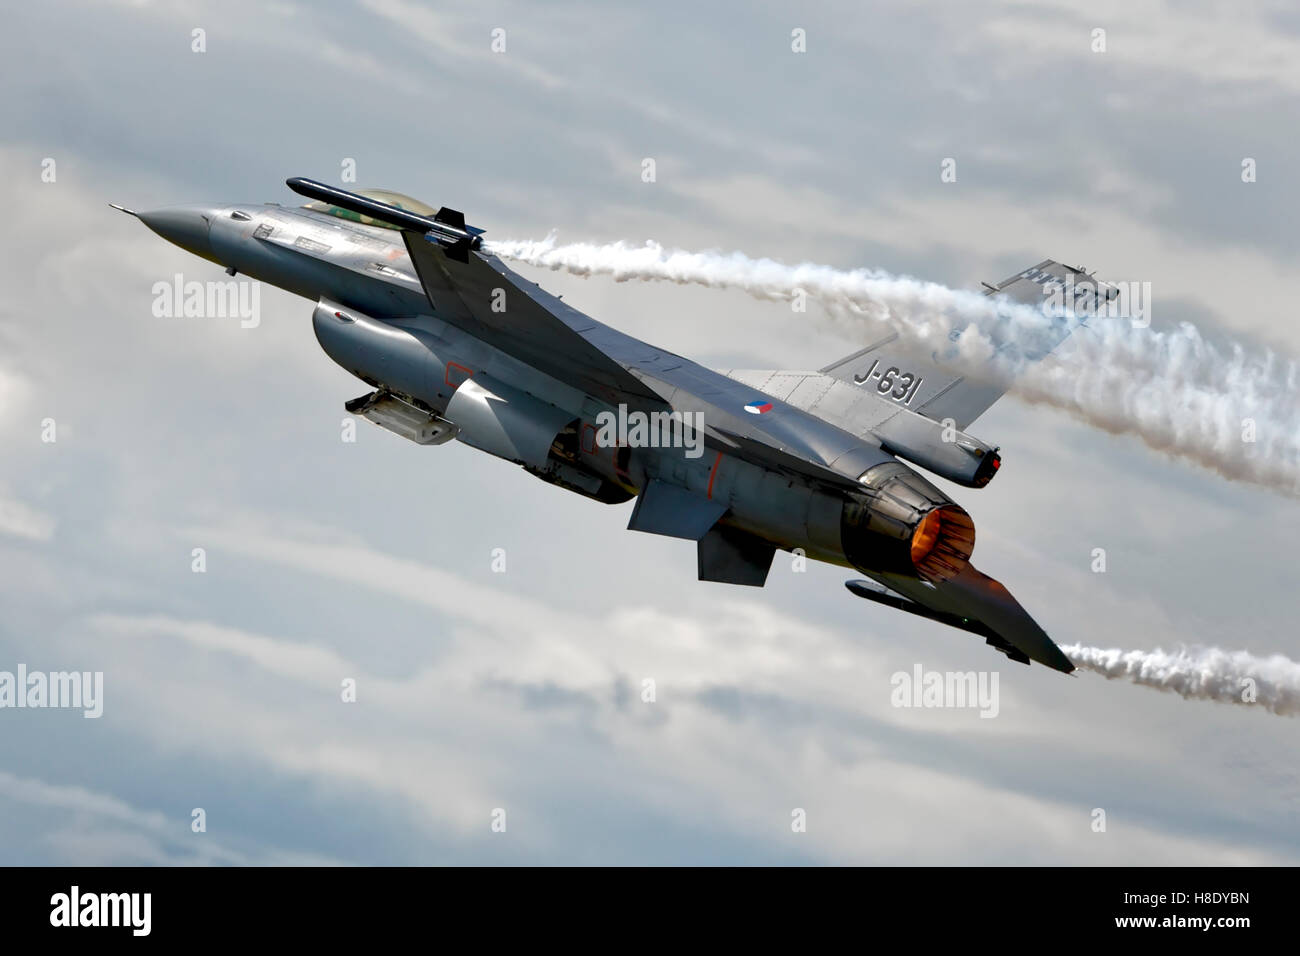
<point>539,384</point>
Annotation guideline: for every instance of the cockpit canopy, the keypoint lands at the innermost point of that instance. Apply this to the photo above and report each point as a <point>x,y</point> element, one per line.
<point>379,195</point>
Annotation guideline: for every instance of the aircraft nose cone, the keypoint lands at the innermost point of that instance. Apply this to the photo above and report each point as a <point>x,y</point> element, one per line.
<point>185,226</point>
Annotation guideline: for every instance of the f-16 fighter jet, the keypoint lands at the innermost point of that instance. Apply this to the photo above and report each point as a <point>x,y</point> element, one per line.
<point>455,345</point>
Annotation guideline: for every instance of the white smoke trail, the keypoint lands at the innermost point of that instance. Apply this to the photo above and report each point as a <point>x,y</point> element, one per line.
<point>1204,673</point>
<point>1173,389</point>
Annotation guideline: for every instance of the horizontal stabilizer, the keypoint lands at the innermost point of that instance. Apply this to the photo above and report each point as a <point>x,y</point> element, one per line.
<point>674,511</point>
<point>974,602</point>
<point>882,595</point>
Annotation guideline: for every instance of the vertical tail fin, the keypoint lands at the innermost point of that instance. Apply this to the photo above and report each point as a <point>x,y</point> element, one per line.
<point>925,387</point>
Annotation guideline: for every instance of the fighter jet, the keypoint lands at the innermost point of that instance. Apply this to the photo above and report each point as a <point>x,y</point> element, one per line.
<point>455,345</point>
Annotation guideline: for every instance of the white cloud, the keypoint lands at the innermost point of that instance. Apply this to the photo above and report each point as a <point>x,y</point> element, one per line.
<point>23,521</point>
<point>704,753</point>
<point>91,828</point>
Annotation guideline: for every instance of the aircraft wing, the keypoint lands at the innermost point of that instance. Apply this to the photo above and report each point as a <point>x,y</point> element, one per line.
<point>475,291</point>
<point>921,384</point>
<point>530,324</point>
<point>972,601</point>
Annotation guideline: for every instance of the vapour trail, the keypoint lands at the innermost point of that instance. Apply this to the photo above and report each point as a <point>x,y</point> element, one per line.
<point>1227,410</point>
<point>1201,673</point>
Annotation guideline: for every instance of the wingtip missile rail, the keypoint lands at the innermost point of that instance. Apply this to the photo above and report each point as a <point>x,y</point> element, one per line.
<point>447,227</point>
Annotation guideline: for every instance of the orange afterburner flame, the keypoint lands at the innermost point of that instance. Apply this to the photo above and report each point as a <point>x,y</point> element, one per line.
<point>942,543</point>
<point>925,536</point>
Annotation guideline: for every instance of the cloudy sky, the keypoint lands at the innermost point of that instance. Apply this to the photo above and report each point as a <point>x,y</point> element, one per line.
<point>372,560</point>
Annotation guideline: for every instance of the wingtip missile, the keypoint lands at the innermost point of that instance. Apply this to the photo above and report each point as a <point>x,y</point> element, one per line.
<point>447,228</point>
